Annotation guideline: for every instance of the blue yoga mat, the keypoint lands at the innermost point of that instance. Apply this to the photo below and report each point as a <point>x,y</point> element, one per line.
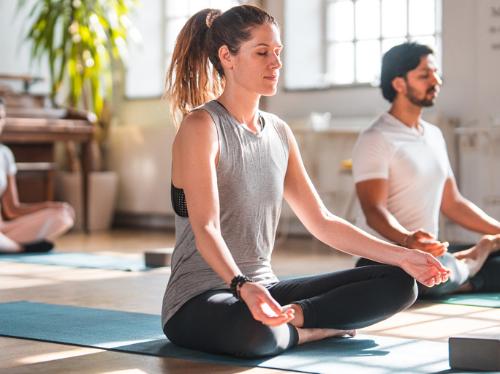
<point>141,333</point>
<point>78,260</point>
<point>490,300</point>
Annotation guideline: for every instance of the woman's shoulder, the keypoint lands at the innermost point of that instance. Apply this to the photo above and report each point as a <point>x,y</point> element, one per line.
<point>196,128</point>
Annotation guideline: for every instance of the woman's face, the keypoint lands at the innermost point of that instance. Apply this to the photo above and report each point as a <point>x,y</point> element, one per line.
<point>257,64</point>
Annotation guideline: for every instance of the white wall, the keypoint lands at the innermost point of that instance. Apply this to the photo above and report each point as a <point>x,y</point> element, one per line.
<point>471,93</point>
<point>472,79</point>
<point>14,51</point>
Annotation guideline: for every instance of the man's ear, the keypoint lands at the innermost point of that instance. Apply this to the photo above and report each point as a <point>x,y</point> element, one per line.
<point>225,57</point>
<point>399,84</point>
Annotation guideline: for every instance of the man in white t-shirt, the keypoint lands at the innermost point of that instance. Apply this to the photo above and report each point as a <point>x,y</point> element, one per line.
<point>404,179</point>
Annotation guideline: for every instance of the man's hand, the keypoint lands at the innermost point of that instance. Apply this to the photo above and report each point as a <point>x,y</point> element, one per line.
<point>426,242</point>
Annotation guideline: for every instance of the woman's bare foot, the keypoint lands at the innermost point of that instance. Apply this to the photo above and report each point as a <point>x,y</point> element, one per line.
<point>476,256</point>
<point>311,335</point>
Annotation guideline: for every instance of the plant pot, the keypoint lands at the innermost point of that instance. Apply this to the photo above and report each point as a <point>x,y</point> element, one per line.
<point>101,201</point>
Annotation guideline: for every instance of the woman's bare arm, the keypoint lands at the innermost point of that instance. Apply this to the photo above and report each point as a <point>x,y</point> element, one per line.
<point>340,234</point>
<point>195,156</point>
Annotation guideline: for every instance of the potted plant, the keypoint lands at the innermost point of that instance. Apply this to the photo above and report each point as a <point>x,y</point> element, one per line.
<point>83,43</point>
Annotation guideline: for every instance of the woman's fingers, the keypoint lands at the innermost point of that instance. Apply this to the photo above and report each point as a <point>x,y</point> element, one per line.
<point>272,305</point>
<point>268,311</point>
<point>261,314</point>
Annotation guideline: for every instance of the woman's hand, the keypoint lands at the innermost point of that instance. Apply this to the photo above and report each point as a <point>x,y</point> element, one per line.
<point>424,268</point>
<point>262,305</point>
<point>426,242</point>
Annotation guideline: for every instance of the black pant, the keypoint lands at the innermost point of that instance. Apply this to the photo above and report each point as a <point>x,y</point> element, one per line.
<point>217,322</point>
<point>486,280</point>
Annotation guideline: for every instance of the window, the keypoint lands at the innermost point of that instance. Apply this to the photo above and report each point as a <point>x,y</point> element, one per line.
<point>354,34</point>
<point>159,22</point>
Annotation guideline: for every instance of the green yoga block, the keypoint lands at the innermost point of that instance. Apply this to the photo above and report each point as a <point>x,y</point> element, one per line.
<point>479,350</point>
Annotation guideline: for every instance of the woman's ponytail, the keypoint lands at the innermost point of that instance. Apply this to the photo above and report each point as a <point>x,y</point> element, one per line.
<point>195,75</point>
<point>191,79</point>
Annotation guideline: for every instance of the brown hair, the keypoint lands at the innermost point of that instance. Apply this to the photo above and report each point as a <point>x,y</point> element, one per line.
<point>195,75</point>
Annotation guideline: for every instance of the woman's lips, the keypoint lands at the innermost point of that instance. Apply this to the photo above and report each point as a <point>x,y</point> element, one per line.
<point>273,78</point>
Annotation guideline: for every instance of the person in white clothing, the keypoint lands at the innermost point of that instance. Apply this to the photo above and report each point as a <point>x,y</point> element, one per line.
<point>404,179</point>
<point>26,227</point>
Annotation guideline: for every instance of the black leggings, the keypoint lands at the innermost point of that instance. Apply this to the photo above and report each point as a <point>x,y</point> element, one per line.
<point>217,322</point>
<point>486,280</point>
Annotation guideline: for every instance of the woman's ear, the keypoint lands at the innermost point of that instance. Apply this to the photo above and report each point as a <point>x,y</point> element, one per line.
<point>225,57</point>
<point>399,84</point>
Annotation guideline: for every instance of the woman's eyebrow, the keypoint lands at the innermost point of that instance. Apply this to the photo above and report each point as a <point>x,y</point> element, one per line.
<point>267,45</point>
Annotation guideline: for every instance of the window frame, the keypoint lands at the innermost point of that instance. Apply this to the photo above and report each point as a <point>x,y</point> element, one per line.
<point>165,52</point>
<point>437,35</point>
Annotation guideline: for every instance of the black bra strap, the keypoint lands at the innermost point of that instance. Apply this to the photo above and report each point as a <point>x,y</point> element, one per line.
<point>178,201</point>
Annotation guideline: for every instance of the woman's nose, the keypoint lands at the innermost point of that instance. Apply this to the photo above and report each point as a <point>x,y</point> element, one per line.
<point>277,62</point>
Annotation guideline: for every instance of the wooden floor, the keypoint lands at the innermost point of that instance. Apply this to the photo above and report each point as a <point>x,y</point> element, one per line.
<point>143,291</point>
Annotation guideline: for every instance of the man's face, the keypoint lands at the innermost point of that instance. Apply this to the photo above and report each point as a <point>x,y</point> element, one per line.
<point>423,83</point>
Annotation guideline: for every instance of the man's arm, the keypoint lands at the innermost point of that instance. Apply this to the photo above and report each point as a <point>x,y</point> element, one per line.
<point>464,212</point>
<point>372,195</point>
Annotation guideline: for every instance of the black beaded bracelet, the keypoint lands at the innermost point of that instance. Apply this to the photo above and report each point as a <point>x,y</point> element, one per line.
<point>236,284</point>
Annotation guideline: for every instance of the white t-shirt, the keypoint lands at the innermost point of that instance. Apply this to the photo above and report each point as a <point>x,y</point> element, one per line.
<point>7,166</point>
<point>415,163</point>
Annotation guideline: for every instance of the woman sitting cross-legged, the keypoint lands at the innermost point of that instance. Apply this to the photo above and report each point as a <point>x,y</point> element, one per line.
<point>232,166</point>
<point>27,227</point>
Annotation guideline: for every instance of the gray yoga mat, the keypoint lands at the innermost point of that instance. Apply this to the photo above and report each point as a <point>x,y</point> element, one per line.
<point>141,333</point>
<point>79,260</point>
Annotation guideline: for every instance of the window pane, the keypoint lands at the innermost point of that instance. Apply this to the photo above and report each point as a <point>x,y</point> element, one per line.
<point>341,63</point>
<point>393,18</point>
<point>367,19</point>
<point>145,64</point>
<point>197,5</point>
<point>422,17</point>
<point>389,43</point>
<point>223,4</point>
<point>174,26</point>
<point>176,8</point>
<point>427,40</point>
<point>340,16</point>
<point>367,60</point>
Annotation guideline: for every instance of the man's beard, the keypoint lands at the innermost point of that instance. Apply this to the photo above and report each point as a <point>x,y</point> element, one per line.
<point>420,102</point>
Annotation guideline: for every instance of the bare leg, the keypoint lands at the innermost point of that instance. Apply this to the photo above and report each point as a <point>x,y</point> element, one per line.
<point>475,257</point>
<point>8,245</point>
<point>45,224</point>
<point>310,335</point>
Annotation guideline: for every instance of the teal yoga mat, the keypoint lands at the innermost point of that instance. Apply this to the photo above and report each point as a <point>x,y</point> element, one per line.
<point>142,334</point>
<point>490,300</point>
<point>79,260</point>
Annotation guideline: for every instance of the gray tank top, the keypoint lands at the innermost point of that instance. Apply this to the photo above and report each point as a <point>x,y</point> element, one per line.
<point>250,178</point>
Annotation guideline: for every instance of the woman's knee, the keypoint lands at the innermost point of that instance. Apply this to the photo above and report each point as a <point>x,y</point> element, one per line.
<point>245,341</point>
<point>266,341</point>
<point>405,286</point>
